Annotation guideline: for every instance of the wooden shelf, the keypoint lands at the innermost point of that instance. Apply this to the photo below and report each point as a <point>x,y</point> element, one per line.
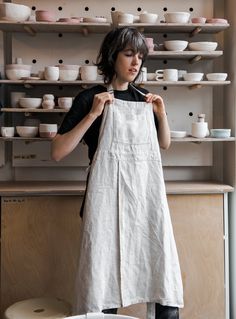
<point>28,110</point>
<point>200,140</point>
<point>173,140</point>
<point>191,28</point>
<point>33,28</point>
<point>87,83</point>
<point>192,56</point>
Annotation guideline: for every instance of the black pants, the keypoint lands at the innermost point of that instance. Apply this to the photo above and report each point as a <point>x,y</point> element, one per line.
<point>162,312</point>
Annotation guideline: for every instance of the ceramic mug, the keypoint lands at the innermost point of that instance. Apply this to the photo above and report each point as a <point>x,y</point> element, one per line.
<point>7,131</point>
<point>88,72</point>
<point>167,75</point>
<point>51,73</point>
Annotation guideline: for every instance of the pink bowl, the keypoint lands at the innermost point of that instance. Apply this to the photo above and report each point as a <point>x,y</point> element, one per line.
<point>217,20</point>
<point>46,16</point>
<point>198,20</point>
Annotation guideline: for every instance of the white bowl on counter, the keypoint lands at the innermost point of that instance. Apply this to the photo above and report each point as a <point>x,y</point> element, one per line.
<point>14,12</point>
<point>202,46</point>
<point>30,102</point>
<point>27,131</point>
<point>216,76</point>
<point>178,134</point>
<point>193,76</point>
<point>175,45</point>
<point>177,17</point>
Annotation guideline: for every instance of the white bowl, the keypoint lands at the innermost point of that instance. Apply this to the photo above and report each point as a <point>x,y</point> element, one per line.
<point>177,17</point>
<point>68,72</point>
<point>17,74</point>
<point>178,134</point>
<point>14,12</point>
<point>193,76</point>
<point>216,76</point>
<point>125,18</point>
<point>175,45</point>
<point>30,102</point>
<point>27,131</point>
<point>202,46</point>
<point>146,17</point>
<point>65,102</point>
<point>220,133</point>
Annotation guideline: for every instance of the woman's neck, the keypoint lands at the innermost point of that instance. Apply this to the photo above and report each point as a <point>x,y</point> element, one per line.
<point>119,85</point>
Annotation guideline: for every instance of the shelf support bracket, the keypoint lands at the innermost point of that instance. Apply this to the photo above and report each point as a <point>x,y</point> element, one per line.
<point>195,59</point>
<point>29,30</point>
<point>85,31</point>
<point>195,86</point>
<point>195,31</point>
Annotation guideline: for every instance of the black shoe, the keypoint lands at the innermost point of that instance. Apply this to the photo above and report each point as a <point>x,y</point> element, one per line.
<point>112,311</point>
<point>166,312</point>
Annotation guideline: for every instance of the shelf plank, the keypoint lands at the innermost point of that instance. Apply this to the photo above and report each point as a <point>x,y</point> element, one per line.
<point>173,140</point>
<point>87,83</point>
<point>54,27</point>
<point>200,140</point>
<point>179,28</point>
<point>28,110</point>
<point>184,54</point>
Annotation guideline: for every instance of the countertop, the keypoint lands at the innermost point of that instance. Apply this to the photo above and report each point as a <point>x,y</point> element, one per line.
<point>40,188</point>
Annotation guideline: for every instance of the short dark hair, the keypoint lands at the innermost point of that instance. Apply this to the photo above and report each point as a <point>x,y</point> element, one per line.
<point>116,41</point>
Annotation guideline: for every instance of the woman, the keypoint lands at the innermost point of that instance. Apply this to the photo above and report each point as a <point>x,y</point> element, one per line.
<point>128,253</point>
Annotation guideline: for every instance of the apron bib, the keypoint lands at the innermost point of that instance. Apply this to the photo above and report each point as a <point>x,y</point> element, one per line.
<point>128,253</point>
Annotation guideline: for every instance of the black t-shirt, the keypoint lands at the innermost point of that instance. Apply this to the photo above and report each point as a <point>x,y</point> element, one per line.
<point>82,105</point>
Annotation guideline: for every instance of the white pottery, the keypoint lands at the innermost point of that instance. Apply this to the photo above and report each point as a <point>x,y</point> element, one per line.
<point>47,130</point>
<point>30,102</point>
<point>177,17</point>
<point>88,72</point>
<point>68,72</point>
<point>200,129</point>
<point>202,46</point>
<point>27,131</point>
<point>175,45</point>
<point>196,76</point>
<point>125,18</point>
<point>7,131</point>
<point>14,12</point>
<point>51,73</point>
<point>65,102</point>
<point>216,76</point>
<point>146,17</point>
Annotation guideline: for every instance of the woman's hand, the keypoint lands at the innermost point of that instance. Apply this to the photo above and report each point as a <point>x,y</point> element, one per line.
<point>157,102</point>
<point>99,102</point>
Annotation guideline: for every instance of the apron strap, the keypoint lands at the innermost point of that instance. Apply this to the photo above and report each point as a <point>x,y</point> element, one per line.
<point>150,310</point>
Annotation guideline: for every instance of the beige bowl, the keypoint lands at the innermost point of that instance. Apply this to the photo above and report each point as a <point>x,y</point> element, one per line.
<point>65,102</point>
<point>202,46</point>
<point>27,131</point>
<point>216,76</point>
<point>14,12</point>
<point>177,17</point>
<point>193,76</point>
<point>68,72</point>
<point>175,45</point>
<point>146,17</point>
<point>30,102</point>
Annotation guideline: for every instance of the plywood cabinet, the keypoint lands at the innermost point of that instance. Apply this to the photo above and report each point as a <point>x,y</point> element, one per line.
<point>40,246</point>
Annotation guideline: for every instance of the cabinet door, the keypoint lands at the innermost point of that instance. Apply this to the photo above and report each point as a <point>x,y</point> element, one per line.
<point>40,245</point>
<point>198,227</point>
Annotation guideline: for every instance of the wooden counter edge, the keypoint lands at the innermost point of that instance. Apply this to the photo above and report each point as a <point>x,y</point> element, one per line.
<point>42,188</point>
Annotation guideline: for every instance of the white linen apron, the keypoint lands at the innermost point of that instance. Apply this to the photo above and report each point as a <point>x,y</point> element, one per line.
<point>128,253</point>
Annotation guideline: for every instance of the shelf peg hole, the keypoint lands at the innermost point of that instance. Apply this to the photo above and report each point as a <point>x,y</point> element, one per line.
<point>113,9</point>
<point>60,8</point>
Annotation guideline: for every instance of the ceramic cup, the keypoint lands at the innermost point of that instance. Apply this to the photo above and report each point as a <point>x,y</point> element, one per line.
<point>15,96</point>
<point>7,131</point>
<point>167,75</point>
<point>88,72</point>
<point>200,129</point>
<point>51,73</point>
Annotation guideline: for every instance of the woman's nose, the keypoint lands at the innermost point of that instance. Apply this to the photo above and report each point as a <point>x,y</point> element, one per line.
<point>135,59</point>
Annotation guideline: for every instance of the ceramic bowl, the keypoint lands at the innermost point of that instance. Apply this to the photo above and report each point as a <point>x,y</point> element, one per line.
<point>115,15</point>
<point>17,71</point>
<point>65,102</point>
<point>95,19</point>
<point>125,18</point>
<point>47,130</point>
<point>217,20</point>
<point>27,131</point>
<point>193,76</point>
<point>220,133</point>
<point>51,73</point>
<point>216,76</point>
<point>175,45</point>
<point>30,102</point>
<point>88,72</point>
<point>45,16</point>
<point>178,134</point>
<point>14,12</point>
<point>177,17</point>
<point>202,46</point>
<point>201,20</point>
<point>68,72</point>
<point>146,17</point>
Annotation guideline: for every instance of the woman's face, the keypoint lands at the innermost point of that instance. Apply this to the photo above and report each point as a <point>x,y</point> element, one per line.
<point>127,65</point>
